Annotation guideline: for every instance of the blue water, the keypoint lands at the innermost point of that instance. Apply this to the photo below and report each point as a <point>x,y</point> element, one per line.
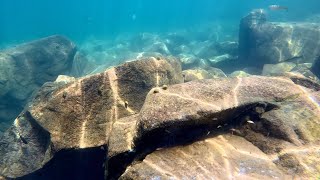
<point>23,20</point>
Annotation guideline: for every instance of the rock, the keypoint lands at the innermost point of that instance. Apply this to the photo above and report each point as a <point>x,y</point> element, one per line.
<point>78,114</point>
<point>199,73</point>
<point>143,40</point>
<point>65,79</point>
<point>316,67</point>
<point>277,69</point>
<point>304,81</point>
<point>138,120</point>
<point>189,61</point>
<point>81,65</point>
<point>221,60</point>
<point>220,157</point>
<point>305,70</point>
<point>239,74</point>
<point>195,74</point>
<point>262,42</point>
<point>208,49</point>
<point>159,47</point>
<point>219,111</point>
<point>25,68</point>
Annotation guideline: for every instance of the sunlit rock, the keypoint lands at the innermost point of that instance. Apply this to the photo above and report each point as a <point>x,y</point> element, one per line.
<point>139,120</point>
<point>277,69</point>
<point>262,42</point>
<point>80,113</point>
<point>239,74</point>
<point>199,73</point>
<point>270,119</point>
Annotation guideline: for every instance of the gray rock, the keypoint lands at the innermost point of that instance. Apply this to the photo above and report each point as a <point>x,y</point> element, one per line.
<point>277,69</point>
<point>199,73</point>
<point>239,74</point>
<point>262,42</point>
<point>316,67</point>
<point>25,68</point>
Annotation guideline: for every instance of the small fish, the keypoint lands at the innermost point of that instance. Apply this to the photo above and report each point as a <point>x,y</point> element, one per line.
<point>250,122</point>
<point>275,7</point>
<point>296,59</point>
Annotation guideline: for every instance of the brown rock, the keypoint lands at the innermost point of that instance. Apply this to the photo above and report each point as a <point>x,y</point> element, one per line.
<point>82,113</point>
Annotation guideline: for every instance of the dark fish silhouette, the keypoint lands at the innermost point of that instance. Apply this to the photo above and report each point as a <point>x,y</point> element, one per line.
<point>295,59</point>
<point>23,139</point>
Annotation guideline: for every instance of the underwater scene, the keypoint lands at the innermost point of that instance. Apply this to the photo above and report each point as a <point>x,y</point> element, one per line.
<point>159,90</point>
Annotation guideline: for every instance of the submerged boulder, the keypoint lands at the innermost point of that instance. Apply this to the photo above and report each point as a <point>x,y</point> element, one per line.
<point>239,74</point>
<point>243,128</point>
<point>138,121</point>
<point>23,69</point>
<point>262,42</point>
<point>80,113</point>
<point>199,73</point>
<point>277,69</point>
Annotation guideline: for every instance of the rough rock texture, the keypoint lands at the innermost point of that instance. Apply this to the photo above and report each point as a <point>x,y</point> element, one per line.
<point>316,67</point>
<point>116,124</point>
<point>262,42</point>
<point>239,74</point>
<point>277,69</point>
<point>25,68</point>
<point>261,110</point>
<point>80,113</point>
<point>199,73</point>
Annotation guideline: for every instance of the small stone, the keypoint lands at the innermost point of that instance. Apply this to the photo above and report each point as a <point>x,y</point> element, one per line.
<point>164,87</point>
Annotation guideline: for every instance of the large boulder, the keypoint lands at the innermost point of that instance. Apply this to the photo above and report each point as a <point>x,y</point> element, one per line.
<point>24,68</point>
<point>79,113</point>
<point>129,122</point>
<point>253,127</point>
<point>262,42</point>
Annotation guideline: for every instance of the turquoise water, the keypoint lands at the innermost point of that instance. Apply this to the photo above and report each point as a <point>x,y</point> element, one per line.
<point>79,19</point>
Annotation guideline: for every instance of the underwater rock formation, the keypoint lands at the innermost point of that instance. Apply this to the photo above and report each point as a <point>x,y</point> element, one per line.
<point>26,67</point>
<point>199,73</point>
<point>130,121</point>
<point>80,113</point>
<point>262,42</point>
<point>316,67</point>
<point>277,69</point>
<point>244,127</point>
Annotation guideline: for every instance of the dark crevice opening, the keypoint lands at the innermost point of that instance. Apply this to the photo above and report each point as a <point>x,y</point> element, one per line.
<point>184,133</point>
<point>90,163</point>
<point>75,164</point>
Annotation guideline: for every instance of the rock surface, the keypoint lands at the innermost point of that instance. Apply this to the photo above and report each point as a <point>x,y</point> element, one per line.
<point>138,121</point>
<point>275,125</point>
<point>262,42</point>
<point>199,73</point>
<point>80,113</point>
<point>25,68</point>
<point>277,69</point>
